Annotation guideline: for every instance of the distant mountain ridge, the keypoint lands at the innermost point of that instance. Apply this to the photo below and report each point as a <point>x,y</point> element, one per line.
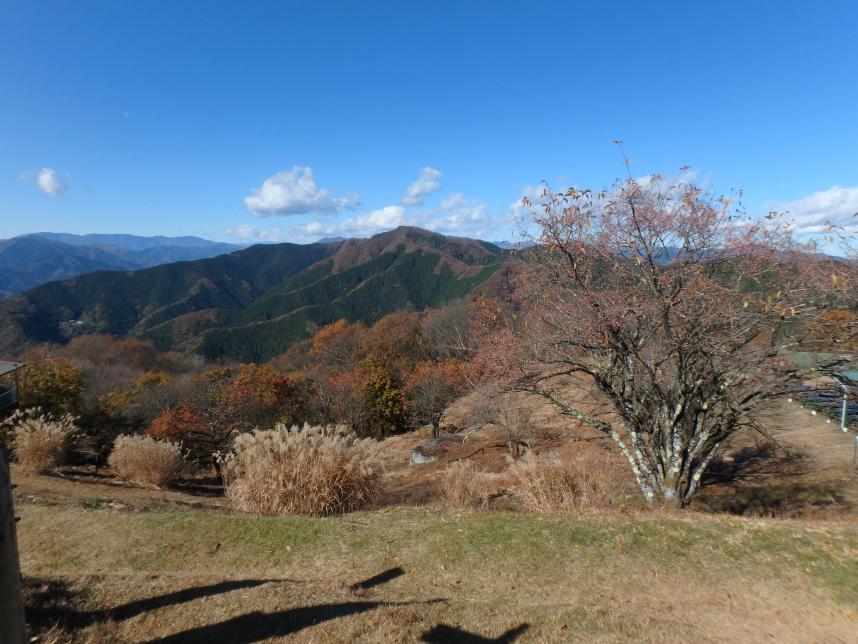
<point>30,260</point>
<point>133,242</point>
<point>254,303</point>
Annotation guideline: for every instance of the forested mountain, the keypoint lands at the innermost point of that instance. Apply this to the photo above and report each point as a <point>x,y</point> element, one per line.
<point>135,242</point>
<point>254,303</point>
<point>31,260</point>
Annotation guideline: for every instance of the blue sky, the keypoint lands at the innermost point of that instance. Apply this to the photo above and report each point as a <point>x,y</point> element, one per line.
<point>294,120</point>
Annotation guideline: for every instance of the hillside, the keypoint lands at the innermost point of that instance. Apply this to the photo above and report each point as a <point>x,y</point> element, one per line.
<point>254,303</point>
<point>31,260</point>
<point>438,573</point>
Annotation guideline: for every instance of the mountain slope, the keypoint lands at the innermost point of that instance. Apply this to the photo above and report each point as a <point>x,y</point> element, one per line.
<point>133,242</point>
<point>26,262</point>
<point>254,303</point>
<point>31,260</point>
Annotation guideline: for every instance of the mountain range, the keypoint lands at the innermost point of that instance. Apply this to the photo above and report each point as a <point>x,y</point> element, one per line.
<point>252,304</point>
<point>30,260</point>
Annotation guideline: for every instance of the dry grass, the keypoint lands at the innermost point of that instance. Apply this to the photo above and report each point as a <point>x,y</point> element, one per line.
<point>549,484</point>
<point>310,470</point>
<point>40,440</point>
<point>465,485</point>
<point>109,575</point>
<point>143,459</point>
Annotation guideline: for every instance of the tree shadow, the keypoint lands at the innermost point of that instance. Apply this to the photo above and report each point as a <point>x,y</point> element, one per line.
<point>134,608</point>
<point>783,499</point>
<point>256,626</point>
<point>51,602</point>
<point>377,580</point>
<point>754,463</point>
<point>443,633</point>
<point>768,480</point>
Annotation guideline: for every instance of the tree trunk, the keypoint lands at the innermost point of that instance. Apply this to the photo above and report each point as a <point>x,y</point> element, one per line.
<point>13,629</point>
<point>672,494</point>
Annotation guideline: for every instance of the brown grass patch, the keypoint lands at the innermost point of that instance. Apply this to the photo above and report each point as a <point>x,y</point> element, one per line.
<point>40,441</point>
<point>143,459</point>
<point>549,484</point>
<point>309,470</point>
<point>465,485</point>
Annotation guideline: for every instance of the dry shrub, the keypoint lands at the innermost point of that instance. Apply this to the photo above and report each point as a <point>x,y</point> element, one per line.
<point>40,440</point>
<point>143,459</point>
<point>547,484</point>
<point>466,486</point>
<point>311,470</point>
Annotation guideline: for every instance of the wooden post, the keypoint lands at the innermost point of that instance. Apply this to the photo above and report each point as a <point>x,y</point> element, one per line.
<point>17,388</point>
<point>13,629</point>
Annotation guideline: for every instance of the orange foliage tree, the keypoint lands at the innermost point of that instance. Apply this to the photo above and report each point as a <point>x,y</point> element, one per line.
<point>51,383</point>
<point>224,402</point>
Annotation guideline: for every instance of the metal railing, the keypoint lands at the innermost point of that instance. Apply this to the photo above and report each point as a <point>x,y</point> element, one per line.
<point>839,403</point>
<point>8,397</point>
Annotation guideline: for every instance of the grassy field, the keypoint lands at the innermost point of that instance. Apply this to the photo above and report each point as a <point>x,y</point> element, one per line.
<point>105,561</point>
<point>111,569</point>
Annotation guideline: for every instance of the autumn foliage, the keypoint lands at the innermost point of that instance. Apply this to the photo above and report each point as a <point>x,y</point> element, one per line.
<point>392,376</point>
<point>52,383</point>
<point>223,403</point>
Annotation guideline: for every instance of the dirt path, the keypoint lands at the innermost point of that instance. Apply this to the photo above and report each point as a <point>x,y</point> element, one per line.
<point>824,443</point>
<point>72,487</point>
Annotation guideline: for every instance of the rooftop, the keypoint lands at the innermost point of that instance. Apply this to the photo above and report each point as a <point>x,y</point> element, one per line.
<point>849,374</point>
<point>9,367</point>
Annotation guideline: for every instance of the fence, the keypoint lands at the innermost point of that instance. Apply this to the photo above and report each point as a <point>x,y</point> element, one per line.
<point>12,626</point>
<point>829,402</point>
<point>8,397</point>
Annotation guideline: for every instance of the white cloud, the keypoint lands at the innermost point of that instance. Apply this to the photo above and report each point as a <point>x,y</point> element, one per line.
<point>457,215</point>
<point>252,234</point>
<point>294,192</point>
<point>521,213</point>
<point>428,182</point>
<point>363,226</point>
<point>460,215</point>
<point>46,180</point>
<point>816,212</point>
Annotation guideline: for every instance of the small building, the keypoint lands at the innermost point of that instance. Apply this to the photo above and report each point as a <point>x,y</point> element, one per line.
<point>9,386</point>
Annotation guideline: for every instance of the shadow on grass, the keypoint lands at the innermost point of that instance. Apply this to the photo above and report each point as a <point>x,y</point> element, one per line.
<point>443,633</point>
<point>199,485</point>
<point>254,627</point>
<point>132,609</point>
<point>755,463</point>
<point>51,602</point>
<point>205,486</point>
<point>767,480</point>
<point>788,499</point>
<point>377,580</point>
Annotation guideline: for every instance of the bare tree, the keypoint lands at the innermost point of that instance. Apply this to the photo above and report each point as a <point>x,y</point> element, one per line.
<point>448,330</point>
<point>672,308</point>
<point>431,388</point>
<point>510,411</point>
